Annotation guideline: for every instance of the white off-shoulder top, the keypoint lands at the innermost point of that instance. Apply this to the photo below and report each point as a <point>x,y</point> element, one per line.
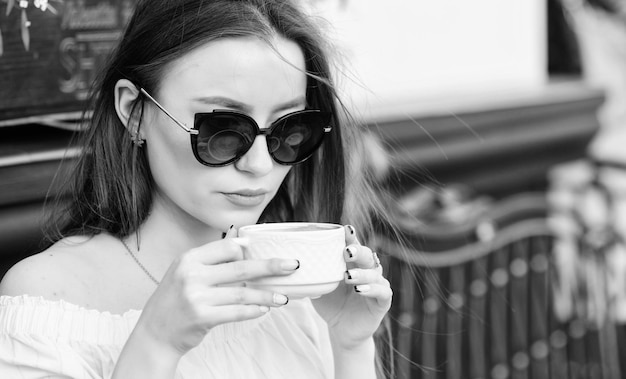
<point>55,339</point>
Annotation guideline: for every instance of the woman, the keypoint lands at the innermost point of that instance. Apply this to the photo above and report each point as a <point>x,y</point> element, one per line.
<point>145,227</point>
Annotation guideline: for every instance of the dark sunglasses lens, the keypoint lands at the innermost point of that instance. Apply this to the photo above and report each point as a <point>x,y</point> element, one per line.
<point>223,138</point>
<point>297,136</point>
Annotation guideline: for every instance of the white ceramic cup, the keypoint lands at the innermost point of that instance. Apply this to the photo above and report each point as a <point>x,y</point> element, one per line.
<point>318,246</point>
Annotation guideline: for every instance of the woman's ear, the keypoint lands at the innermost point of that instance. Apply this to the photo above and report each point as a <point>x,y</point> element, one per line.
<point>125,95</point>
<point>127,109</point>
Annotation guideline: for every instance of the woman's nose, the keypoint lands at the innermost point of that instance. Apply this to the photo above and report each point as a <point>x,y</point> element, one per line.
<point>257,160</point>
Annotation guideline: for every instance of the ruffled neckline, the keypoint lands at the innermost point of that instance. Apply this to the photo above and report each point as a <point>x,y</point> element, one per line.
<point>60,304</point>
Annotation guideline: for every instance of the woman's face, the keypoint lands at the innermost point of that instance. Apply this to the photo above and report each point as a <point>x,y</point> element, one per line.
<point>242,74</point>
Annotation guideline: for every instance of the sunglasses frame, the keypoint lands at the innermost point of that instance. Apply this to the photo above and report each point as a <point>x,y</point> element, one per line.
<point>194,132</point>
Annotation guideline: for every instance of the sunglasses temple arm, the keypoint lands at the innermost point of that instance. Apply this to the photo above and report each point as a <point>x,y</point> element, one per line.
<point>183,126</point>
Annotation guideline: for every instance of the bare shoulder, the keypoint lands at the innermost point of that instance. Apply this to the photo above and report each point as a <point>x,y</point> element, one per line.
<point>63,271</point>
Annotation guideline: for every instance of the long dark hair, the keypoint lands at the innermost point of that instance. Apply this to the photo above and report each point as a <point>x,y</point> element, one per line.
<point>111,187</point>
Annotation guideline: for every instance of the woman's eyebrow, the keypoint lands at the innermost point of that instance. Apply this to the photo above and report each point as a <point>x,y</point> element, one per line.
<point>298,102</point>
<point>242,107</point>
<point>224,102</point>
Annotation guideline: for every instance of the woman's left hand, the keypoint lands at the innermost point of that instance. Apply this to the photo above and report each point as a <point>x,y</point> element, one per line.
<point>356,308</point>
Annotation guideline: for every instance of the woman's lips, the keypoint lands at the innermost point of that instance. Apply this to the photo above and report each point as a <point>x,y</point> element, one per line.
<point>247,198</point>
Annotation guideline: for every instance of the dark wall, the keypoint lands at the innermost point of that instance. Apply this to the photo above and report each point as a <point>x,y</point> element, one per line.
<point>496,150</point>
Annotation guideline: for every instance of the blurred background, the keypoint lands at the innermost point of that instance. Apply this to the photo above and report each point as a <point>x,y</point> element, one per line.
<point>495,129</point>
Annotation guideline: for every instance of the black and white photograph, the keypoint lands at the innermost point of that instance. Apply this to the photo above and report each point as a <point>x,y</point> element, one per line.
<point>312,189</point>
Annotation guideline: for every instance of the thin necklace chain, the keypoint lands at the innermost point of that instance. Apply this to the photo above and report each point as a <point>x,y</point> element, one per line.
<point>139,264</point>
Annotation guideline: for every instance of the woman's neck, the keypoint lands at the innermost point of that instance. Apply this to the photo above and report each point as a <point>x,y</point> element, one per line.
<point>169,231</point>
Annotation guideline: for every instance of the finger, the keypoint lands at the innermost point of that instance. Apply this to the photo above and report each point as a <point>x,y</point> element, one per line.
<point>231,313</point>
<point>361,256</point>
<point>218,296</point>
<point>351,237</point>
<point>380,291</point>
<point>222,251</point>
<point>356,276</point>
<point>239,271</point>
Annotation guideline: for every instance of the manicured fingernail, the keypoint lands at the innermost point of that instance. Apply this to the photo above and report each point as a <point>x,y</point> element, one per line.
<point>227,232</point>
<point>362,288</point>
<point>264,308</point>
<point>290,265</point>
<point>279,299</point>
<point>350,250</point>
<point>349,275</point>
<point>351,229</point>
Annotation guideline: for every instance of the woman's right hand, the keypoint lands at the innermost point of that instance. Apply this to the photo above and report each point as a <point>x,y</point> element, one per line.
<point>202,289</point>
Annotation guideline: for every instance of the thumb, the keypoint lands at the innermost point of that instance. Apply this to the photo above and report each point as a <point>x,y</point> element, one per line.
<point>230,233</point>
